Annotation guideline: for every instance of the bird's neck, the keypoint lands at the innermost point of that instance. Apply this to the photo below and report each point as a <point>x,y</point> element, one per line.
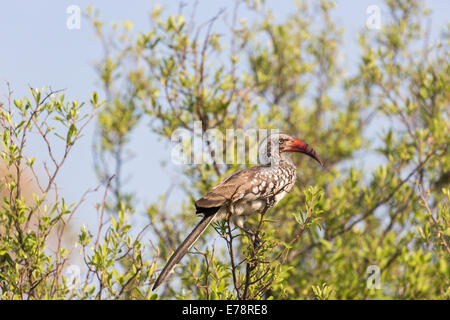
<point>285,157</point>
<point>278,159</point>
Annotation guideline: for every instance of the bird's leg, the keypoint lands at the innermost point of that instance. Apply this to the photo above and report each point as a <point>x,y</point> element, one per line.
<point>253,236</point>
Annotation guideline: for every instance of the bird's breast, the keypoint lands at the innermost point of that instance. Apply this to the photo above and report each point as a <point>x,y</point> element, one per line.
<point>249,207</point>
<point>243,207</point>
<point>264,189</point>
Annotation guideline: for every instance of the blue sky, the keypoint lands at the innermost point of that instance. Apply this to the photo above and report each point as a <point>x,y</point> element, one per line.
<point>39,50</point>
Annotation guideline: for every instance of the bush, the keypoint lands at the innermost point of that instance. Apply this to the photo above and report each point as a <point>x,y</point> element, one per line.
<point>373,224</point>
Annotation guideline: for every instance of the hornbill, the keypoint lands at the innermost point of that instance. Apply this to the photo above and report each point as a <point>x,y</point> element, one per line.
<point>246,192</point>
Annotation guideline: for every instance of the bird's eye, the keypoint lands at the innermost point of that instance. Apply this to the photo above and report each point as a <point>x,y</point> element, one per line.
<point>281,141</point>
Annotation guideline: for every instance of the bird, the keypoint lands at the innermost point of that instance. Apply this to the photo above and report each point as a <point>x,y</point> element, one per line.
<point>246,192</point>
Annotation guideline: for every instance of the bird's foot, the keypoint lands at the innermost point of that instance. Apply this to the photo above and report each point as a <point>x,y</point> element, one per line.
<point>254,238</point>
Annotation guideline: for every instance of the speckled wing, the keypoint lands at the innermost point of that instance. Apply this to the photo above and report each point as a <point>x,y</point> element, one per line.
<point>230,189</point>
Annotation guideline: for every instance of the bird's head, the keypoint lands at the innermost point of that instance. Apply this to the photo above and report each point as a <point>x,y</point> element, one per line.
<point>290,144</point>
<point>281,143</point>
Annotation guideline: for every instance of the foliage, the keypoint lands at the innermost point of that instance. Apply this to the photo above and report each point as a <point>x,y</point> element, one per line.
<point>383,132</point>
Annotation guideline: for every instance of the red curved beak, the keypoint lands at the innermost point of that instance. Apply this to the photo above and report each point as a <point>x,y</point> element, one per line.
<point>296,145</point>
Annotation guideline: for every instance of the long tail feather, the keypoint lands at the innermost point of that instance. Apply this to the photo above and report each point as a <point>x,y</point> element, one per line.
<point>183,249</point>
